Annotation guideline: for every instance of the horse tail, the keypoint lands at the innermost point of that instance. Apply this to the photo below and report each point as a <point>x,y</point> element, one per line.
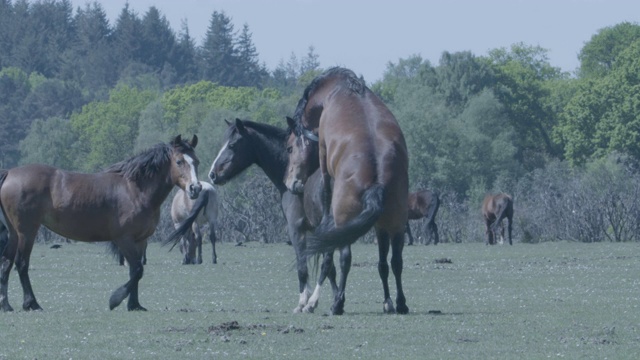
<point>185,225</point>
<point>4,227</point>
<point>433,207</point>
<point>505,206</point>
<point>329,238</point>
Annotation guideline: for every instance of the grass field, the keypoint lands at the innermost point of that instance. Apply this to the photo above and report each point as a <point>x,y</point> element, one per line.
<point>550,300</point>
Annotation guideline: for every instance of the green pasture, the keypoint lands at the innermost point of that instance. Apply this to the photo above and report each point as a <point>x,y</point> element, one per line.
<point>551,300</point>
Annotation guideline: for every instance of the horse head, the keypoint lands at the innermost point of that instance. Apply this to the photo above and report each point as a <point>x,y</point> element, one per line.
<point>184,165</point>
<point>302,146</point>
<point>235,154</point>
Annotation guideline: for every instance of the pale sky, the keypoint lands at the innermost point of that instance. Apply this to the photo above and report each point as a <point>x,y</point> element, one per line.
<point>365,35</point>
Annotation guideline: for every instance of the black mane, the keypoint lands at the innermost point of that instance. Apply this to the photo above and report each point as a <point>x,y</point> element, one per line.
<point>354,83</point>
<point>144,165</point>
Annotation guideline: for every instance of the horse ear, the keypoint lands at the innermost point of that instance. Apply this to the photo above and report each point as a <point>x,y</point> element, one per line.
<point>177,140</point>
<point>228,122</point>
<point>291,123</point>
<point>194,141</point>
<point>240,127</point>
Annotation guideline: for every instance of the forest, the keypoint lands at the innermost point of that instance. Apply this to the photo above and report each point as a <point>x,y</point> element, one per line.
<point>79,93</point>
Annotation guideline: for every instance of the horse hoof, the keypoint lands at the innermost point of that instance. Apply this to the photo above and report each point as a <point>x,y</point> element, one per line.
<point>308,309</point>
<point>402,309</point>
<point>297,309</point>
<point>136,308</point>
<point>6,307</point>
<point>31,306</point>
<point>387,307</point>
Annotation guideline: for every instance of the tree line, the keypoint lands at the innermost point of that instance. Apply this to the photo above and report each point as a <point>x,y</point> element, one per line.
<point>79,93</point>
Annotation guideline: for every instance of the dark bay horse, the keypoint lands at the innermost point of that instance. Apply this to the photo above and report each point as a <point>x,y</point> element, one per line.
<point>120,204</point>
<point>246,143</point>
<point>206,213</point>
<point>364,165</point>
<point>424,204</point>
<point>496,208</point>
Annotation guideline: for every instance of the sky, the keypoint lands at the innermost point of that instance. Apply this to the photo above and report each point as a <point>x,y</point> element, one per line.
<point>366,35</point>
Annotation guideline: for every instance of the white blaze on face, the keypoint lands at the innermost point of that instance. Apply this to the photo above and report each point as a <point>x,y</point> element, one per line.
<point>194,176</point>
<point>213,165</point>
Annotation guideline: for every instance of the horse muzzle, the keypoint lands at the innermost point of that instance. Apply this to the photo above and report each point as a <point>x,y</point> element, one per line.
<point>194,190</point>
<point>297,187</point>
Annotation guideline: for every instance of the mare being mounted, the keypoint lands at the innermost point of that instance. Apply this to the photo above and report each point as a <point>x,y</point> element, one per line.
<point>496,208</point>
<point>246,143</point>
<point>120,204</point>
<point>364,165</point>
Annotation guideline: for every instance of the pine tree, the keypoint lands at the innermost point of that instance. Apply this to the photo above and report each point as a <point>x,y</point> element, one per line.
<point>218,54</point>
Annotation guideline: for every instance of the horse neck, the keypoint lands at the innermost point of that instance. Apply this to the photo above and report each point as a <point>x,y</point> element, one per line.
<point>270,158</point>
<point>154,192</point>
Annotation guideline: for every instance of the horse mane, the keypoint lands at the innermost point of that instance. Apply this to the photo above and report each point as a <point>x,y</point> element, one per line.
<point>262,128</point>
<point>144,165</point>
<point>353,82</point>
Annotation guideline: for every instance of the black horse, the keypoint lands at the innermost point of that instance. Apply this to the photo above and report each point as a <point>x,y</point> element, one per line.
<point>246,143</point>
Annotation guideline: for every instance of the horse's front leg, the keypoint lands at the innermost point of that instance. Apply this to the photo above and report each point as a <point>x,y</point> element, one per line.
<point>133,253</point>
<point>327,270</point>
<point>197,235</point>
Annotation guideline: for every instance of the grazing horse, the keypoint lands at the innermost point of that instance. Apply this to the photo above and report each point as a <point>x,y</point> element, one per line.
<point>364,165</point>
<point>495,208</point>
<point>424,204</point>
<point>246,143</point>
<point>120,204</point>
<point>205,213</point>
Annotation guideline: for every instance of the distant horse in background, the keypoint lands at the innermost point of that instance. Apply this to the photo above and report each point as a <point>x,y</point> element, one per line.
<point>205,213</point>
<point>120,204</point>
<point>364,164</point>
<point>246,143</point>
<point>424,204</point>
<point>496,208</point>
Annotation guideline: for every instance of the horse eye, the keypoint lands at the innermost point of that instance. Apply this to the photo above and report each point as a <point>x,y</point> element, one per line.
<point>180,162</point>
<point>289,149</point>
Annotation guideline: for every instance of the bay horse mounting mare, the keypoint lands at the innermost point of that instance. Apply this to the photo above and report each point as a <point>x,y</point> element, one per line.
<point>246,143</point>
<point>120,204</point>
<point>424,204</point>
<point>496,208</point>
<point>204,211</point>
<point>364,165</point>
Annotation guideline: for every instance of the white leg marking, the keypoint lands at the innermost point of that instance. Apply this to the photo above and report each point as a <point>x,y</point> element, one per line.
<point>313,301</point>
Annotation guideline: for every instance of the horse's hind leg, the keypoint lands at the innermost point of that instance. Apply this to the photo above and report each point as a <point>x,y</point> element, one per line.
<point>23,253</point>
<point>345,265</point>
<point>397,245</point>
<point>408,231</point>
<point>434,232</point>
<point>214,240</point>
<point>197,236</point>
<point>383,269</point>
<point>7,255</point>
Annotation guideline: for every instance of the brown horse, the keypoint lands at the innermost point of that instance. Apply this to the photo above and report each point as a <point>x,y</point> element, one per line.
<point>364,165</point>
<point>495,208</point>
<point>120,204</point>
<point>206,213</point>
<point>424,204</point>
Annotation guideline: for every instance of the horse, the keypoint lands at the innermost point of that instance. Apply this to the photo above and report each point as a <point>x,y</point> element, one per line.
<point>495,208</point>
<point>246,143</point>
<point>424,204</point>
<point>120,204</point>
<point>207,213</point>
<point>364,164</point>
